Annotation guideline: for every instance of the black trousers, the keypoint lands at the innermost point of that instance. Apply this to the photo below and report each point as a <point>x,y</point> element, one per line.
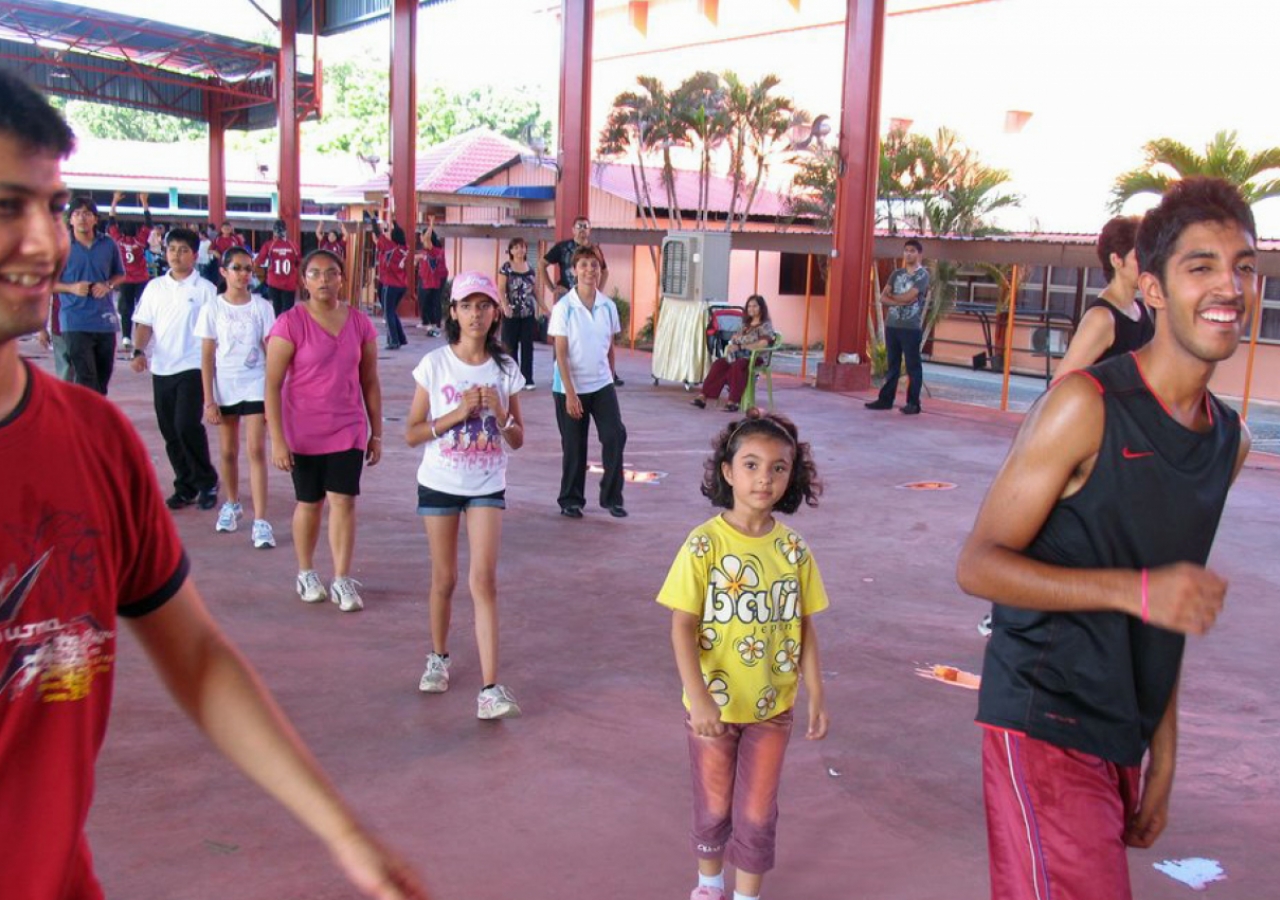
<point>429,305</point>
<point>900,342</point>
<point>281,301</point>
<point>93,357</point>
<point>602,408</point>
<point>518,335</point>
<point>179,403</point>
<point>126,302</point>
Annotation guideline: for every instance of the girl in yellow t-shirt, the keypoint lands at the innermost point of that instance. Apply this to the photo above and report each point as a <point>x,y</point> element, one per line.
<point>742,591</point>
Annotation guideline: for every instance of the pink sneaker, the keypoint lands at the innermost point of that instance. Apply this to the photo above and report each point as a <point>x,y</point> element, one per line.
<point>707,893</point>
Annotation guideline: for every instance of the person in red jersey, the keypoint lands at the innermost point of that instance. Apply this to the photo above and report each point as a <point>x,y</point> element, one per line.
<point>330,238</point>
<point>79,554</point>
<point>226,239</point>
<point>280,257</point>
<point>393,273</point>
<point>132,242</point>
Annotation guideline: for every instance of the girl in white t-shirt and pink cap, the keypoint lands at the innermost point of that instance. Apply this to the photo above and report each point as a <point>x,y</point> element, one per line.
<point>466,410</point>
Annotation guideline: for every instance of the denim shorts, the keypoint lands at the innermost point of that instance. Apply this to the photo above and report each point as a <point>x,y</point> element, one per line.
<point>438,503</point>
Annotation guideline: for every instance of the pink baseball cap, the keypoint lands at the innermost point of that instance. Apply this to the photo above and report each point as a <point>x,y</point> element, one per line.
<point>469,283</point>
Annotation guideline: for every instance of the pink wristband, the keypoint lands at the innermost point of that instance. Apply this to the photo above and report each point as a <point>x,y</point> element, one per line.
<point>1146,609</point>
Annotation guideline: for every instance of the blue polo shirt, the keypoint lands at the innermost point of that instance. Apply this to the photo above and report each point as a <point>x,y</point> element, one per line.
<point>100,261</point>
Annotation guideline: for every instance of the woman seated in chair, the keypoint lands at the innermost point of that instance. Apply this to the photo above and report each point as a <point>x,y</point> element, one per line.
<point>756,334</point>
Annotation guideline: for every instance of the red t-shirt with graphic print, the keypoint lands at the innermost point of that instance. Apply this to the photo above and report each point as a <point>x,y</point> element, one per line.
<point>84,538</point>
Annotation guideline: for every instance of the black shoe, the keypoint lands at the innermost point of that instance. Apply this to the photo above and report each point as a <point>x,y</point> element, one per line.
<point>911,409</point>
<point>731,407</point>
<point>208,499</point>
<point>571,512</point>
<point>618,382</point>
<point>178,501</point>
<point>879,404</point>
<point>698,402</point>
<point>618,512</point>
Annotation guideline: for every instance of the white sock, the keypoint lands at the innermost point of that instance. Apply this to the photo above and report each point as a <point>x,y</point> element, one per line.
<point>712,881</point>
<point>738,895</point>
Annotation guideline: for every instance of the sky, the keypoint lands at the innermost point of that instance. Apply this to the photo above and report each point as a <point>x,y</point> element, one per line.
<point>1099,76</point>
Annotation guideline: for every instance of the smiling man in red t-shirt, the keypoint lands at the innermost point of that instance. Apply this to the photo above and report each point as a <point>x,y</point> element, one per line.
<point>79,552</point>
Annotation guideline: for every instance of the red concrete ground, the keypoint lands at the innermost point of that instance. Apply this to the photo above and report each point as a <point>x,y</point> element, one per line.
<point>587,795</point>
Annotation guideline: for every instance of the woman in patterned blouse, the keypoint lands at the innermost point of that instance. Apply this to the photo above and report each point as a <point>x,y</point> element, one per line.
<point>756,334</point>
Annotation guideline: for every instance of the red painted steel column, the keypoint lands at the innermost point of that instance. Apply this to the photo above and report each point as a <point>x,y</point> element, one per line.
<point>850,271</point>
<point>404,128</point>
<point>573,187</point>
<point>289,182</point>
<point>217,159</point>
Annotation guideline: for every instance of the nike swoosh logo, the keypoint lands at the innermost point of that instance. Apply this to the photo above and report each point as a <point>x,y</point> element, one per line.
<point>1136,454</point>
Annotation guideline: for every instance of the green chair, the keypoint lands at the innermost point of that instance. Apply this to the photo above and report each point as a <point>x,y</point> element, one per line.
<point>761,363</point>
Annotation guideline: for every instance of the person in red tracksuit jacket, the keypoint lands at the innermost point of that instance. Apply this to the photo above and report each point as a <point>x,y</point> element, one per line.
<point>393,272</point>
<point>279,256</point>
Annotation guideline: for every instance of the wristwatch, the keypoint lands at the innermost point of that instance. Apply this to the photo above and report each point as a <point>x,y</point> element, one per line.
<point>137,352</point>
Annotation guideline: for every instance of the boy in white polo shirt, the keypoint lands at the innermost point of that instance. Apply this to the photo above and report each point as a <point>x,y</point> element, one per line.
<point>583,323</point>
<point>169,309</point>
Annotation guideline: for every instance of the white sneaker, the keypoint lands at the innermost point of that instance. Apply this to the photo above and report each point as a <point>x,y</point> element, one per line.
<point>435,680</point>
<point>496,703</point>
<point>984,626</point>
<point>346,596</point>
<point>126,344</point>
<point>311,588</point>
<point>262,534</point>
<point>229,517</point>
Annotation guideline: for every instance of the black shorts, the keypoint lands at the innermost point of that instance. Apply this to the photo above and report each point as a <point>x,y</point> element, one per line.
<point>336,473</point>
<point>244,408</point>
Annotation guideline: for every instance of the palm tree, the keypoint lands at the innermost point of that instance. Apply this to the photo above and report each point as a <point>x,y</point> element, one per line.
<point>616,139</point>
<point>699,105</point>
<point>1223,158</point>
<point>758,120</point>
<point>648,120</point>
<point>908,164</point>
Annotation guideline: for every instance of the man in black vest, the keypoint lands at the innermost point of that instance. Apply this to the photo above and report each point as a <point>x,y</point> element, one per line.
<point>1092,543</point>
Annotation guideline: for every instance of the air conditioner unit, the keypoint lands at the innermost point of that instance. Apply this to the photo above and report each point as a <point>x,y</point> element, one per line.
<point>1052,340</point>
<point>695,266</point>
<point>694,273</point>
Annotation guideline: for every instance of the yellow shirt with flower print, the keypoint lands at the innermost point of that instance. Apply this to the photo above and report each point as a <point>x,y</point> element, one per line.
<point>750,594</point>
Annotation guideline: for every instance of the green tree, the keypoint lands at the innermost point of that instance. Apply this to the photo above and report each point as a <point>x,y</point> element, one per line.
<point>1168,160</point>
<point>645,121</point>
<point>757,121</point>
<point>699,106</point>
<point>357,114</point>
<point>908,172</point>
<point>119,123</point>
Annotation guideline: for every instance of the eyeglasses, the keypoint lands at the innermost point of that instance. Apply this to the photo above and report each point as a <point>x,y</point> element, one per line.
<point>324,273</point>
<point>582,225</point>
<point>238,268</point>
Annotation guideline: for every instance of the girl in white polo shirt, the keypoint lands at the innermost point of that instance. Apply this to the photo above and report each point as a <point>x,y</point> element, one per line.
<point>233,366</point>
<point>466,410</point>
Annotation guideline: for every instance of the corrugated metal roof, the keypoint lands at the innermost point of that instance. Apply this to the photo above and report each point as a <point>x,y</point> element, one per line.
<point>512,191</point>
<point>344,15</point>
<point>77,51</point>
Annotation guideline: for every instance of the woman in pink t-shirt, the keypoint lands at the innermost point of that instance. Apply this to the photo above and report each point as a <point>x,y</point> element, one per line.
<point>324,410</point>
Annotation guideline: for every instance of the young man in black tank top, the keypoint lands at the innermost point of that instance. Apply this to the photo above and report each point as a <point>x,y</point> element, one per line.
<point>1092,543</point>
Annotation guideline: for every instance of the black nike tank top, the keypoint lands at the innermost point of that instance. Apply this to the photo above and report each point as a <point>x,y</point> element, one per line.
<point>1099,682</point>
<point>1130,334</point>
